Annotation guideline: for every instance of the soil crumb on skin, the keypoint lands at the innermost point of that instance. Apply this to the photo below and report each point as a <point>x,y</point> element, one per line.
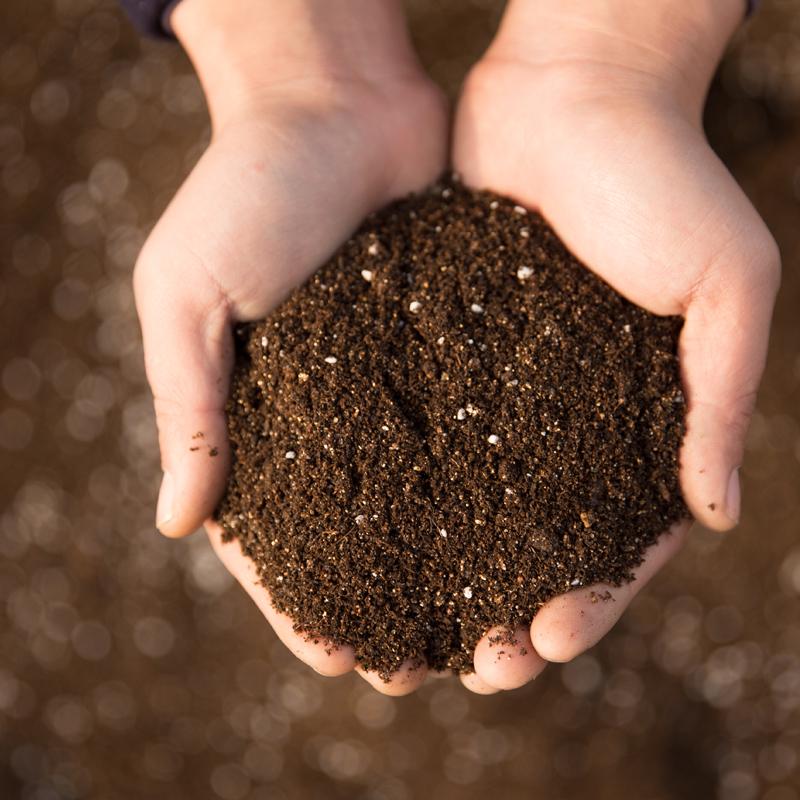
<point>450,423</point>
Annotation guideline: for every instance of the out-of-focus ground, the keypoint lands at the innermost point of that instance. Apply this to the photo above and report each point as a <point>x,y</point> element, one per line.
<point>132,667</point>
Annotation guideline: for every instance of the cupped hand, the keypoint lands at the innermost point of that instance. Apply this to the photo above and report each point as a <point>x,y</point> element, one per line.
<point>606,141</point>
<point>289,174</point>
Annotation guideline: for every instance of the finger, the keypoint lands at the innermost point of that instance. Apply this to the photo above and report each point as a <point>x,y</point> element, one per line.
<point>407,679</point>
<point>569,624</point>
<point>188,356</point>
<point>507,659</point>
<point>473,682</point>
<point>322,656</point>
<point>723,347</point>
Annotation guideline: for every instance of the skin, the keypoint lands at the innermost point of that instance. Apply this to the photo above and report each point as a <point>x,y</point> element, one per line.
<point>609,146</point>
<point>587,111</point>
<point>311,132</point>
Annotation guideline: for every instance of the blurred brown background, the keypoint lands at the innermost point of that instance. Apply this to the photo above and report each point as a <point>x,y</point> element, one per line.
<point>131,667</point>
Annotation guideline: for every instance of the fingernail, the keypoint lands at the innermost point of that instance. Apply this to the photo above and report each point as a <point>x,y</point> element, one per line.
<point>733,497</point>
<point>165,498</point>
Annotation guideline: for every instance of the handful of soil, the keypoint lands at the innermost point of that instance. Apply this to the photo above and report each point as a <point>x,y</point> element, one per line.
<point>450,423</point>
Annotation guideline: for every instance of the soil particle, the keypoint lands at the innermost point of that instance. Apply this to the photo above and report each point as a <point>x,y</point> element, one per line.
<point>499,426</point>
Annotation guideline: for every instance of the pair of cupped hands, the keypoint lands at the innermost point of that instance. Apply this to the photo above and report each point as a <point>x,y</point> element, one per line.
<point>588,112</point>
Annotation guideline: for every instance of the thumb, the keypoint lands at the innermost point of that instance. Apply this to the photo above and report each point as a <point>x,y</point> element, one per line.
<point>722,351</point>
<point>188,356</point>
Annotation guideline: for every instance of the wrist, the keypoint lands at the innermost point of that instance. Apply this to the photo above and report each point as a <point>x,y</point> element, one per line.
<point>250,51</point>
<point>661,47</point>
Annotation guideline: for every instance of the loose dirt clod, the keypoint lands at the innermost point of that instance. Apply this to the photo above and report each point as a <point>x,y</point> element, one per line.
<point>497,426</point>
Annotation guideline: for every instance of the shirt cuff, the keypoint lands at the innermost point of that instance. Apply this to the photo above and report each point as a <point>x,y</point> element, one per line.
<point>151,17</point>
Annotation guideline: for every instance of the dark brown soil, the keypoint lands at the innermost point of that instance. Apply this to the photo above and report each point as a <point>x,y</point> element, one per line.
<point>450,423</point>
<point>692,695</point>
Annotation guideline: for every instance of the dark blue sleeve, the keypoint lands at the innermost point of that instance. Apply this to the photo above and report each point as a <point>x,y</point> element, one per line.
<point>148,16</point>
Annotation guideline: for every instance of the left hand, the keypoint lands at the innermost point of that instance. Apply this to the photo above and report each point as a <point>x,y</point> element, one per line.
<point>591,113</point>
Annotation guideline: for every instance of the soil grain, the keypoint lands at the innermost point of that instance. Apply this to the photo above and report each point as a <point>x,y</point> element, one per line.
<point>450,423</point>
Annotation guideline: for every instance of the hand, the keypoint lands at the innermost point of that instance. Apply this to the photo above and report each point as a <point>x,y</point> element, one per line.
<point>591,113</point>
<point>317,109</point>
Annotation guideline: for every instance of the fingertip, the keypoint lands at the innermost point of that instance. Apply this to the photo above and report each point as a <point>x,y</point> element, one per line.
<point>571,623</point>
<point>720,516</point>
<point>716,521</point>
<point>712,496</point>
<point>164,506</point>
<point>733,496</point>
<point>197,463</point>
<point>473,682</point>
<point>326,658</point>
<point>405,680</point>
<point>560,630</point>
<point>507,659</point>
<point>177,527</point>
<point>711,516</point>
<point>171,530</point>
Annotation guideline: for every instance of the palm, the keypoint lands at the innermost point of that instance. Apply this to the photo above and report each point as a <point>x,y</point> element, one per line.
<point>274,195</point>
<point>635,191</point>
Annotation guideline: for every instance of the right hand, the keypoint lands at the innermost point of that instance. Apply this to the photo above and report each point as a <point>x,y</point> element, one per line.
<point>317,109</point>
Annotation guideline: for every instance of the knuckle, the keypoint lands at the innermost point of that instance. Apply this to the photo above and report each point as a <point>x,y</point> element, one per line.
<point>760,260</point>
<point>168,407</point>
<point>737,419</point>
<point>144,271</point>
<point>743,407</point>
<point>748,263</point>
<point>733,415</point>
<point>771,261</point>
